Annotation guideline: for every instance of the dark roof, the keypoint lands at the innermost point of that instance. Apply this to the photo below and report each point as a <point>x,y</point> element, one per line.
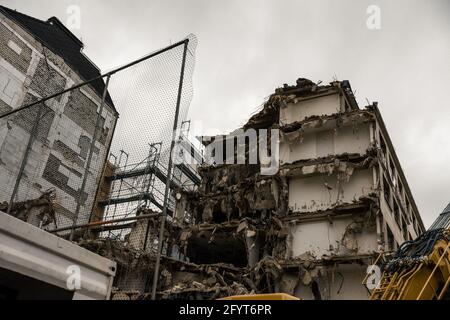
<point>447,209</point>
<point>345,85</point>
<point>443,220</point>
<point>55,36</point>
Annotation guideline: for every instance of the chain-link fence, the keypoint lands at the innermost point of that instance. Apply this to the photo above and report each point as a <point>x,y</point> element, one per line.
<point>74,153</point>
<point>87,156</point>
<point>140,152</point>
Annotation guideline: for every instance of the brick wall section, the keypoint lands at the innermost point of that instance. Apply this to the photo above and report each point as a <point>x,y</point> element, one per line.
<point>54,176</point>
<point>22,61</point>
<point>4,107</point>
<point>46,80</point>
<point>83,111</point>
<point>27,118</point>
<point>68,153</point>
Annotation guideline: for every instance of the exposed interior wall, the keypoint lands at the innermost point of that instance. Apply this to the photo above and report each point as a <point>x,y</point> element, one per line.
<point>345,282</point>
<point>323,143</point>
<point>321,192</point>
<point>340,282</point>
<point>339,236</point>
<point>301,109</point>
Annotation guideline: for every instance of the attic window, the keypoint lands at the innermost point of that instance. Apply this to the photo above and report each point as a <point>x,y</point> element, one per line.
<point>14,47</point>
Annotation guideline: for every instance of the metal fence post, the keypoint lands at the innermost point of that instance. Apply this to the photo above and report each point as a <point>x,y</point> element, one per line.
<point>89,159</point>
<point>33,134</point>
<point>169,173</point>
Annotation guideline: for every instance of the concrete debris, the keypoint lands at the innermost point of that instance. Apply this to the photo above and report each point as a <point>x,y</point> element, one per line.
<point>344,166</point>
<point>269,114</point>
<point>267,273</point>
<point>117,294</point>
<point>125,256</point>
<point>39,212</point>
<point>294,129</point>
<point>178,279</point>
<point>201,291</point>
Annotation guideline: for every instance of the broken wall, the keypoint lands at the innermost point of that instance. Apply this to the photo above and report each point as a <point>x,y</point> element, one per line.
<point>298,109</point>
<point>341,235</point>
<point>326,166</point>
<point>321,192</point>
<point>323,142</point>
<point>330,282</point>
<point>178,280</point>
<point>230,192</point>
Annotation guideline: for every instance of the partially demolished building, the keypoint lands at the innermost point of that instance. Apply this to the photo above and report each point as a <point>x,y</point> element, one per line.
<point>338,199</point>
<point>310,228</point>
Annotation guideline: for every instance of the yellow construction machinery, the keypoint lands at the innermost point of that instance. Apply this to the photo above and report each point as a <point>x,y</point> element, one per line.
<point>420,269</point>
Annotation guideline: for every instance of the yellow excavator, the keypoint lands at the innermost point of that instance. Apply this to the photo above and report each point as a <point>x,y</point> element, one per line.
<point>420,269</point>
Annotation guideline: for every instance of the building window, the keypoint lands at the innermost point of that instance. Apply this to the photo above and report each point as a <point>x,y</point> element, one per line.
<point>390,239</point>
<point>387,192</point>
<point>382,144</point>
<point>404,230</point>
<point>392,169</point>
<point>409,213</point>
<point>414,224</point>
<point>397,214</point>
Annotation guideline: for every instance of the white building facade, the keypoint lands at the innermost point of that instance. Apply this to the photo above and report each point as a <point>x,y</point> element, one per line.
<point>348,197</point>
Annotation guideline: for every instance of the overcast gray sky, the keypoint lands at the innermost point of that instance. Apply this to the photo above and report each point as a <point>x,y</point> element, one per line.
<point>248,48</point>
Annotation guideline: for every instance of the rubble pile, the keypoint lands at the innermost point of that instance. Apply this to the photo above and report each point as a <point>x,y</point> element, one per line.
<point>39,212</point>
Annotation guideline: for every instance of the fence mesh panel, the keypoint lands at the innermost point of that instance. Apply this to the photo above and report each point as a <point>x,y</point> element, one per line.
<point>52,153</point>
<point>45,150</point>
<point>147,95</point>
